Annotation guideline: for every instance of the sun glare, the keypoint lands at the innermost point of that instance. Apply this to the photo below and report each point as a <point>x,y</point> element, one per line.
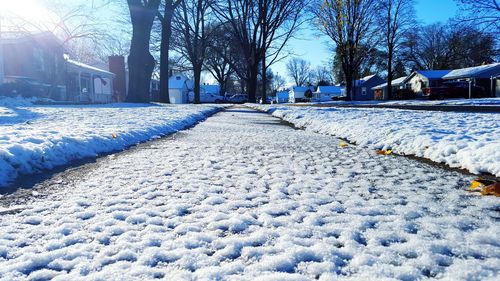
<point>30,11</point>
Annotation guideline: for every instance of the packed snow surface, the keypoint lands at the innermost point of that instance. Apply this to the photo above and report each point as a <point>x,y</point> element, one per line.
<point>35,138</point>
<point>461,140</point>
<point>243,197</point>
<point>467,102</point>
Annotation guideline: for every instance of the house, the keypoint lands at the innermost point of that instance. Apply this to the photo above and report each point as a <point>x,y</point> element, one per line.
<point>40,60</point>
<point>34,57</point>
<point>327,93</point>
<point>86,83</point>
<point>486,76</point>
<point>363,87</point>
<point>425,78</point>
<point>179,86</point>
<point>299,93</point>
<point>381,90</point>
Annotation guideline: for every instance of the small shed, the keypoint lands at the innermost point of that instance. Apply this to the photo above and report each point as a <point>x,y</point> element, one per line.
<point>486,76</point>
<point>179,86</point>
<point>381,90</point>
<point>327,93</point>
<point>425,78</point>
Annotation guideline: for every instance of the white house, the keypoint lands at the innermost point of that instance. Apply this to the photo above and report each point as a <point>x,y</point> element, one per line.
<point>327,93</point>
<point>179,86</point>
<point>424,78</point>
<point>297,94</point>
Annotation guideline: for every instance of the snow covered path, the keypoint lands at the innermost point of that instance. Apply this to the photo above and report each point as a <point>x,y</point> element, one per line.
<point>241,196</point>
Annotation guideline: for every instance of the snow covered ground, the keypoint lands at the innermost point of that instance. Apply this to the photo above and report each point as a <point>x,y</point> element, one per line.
<point>241,197</point>
<point>471,102</point>
<point>463,140</point>
<point>34,138</point>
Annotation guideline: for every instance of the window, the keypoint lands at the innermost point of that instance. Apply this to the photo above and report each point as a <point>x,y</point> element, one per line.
<point>363,91</point>
<point>39,59</point>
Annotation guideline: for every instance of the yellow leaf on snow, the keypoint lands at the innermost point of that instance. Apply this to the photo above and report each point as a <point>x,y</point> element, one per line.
<point>384,152</point>
<point>343,144</point>
<point>485,187</point>
<point>113,135</point>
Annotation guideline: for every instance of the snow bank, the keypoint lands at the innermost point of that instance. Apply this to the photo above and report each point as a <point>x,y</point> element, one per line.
<point>462,140</point>
<point>35,138</point>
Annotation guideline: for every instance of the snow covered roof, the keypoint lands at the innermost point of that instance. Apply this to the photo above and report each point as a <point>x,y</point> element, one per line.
<point>433,74</point>
<point>483,71</point>
<point>329,89</point>
<point>395,82</point>
<point>81,67</point>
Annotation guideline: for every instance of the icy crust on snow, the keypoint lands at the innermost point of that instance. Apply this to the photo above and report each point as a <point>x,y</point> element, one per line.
<point>34,138</point>
<point>240,197</point>
<point>461,140</point>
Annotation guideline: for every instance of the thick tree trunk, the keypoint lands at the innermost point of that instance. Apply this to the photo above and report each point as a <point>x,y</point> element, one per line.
<point>140,61</point>
<point>166,33</point>
<point>197,80</point>
<point>252,82</point>
<point>141,64</point>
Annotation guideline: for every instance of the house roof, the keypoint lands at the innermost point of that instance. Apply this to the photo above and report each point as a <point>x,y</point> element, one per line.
<point>394,82</point>
<point>433,74</point>
<point>483,71</point>
<point>78,66</point>
<point>329,89</point>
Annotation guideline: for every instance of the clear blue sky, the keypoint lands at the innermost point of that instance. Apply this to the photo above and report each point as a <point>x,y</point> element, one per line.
<point>315,48</point>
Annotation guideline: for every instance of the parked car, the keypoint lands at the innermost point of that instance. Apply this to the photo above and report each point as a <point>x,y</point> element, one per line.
<point>207,98</point>
<point>238,98</point>
<point>453,89</point>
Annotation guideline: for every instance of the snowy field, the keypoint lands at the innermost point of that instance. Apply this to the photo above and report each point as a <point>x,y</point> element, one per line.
<point>462,140</point>
<point>470,102</point>
<point>35,138</point>
<point>241,197</point>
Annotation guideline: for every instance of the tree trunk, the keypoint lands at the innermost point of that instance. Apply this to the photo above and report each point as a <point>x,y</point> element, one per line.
<point>166,33</point>
<point>389,74</point>
<point>140,61</point>
<point>253,72</point>
<point>264,79</point>
<point>197,80</point>
<point>141,65</point>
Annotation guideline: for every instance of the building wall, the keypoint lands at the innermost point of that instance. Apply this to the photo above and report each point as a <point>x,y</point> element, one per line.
<point>365,92</point>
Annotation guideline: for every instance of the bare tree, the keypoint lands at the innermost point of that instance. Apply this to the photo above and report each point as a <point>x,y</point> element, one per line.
<point>169,7</point>
<point>261,29</point>
<point>190,23</point>
<point>219,56</point>
<point>484,13</point>
<point>140,61</point>
<point>350,25</point>
<point>397,17</point>
<point>323,75</point>
<point>299,70</point>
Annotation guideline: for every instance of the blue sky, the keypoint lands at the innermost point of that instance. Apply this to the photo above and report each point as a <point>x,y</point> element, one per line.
<point>313,48</point>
